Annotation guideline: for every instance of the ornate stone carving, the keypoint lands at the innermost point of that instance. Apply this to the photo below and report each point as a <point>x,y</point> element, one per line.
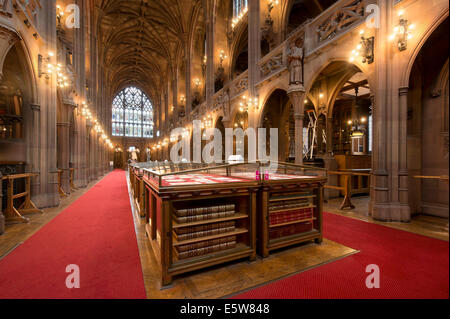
<point>29,8</point>
<point>295,62</point>
<point>221,102</point>
<point>341,19</point>
<point>267,34</point>
<point>6,8</point>
<point>241,85</point>
<point>272,65</point>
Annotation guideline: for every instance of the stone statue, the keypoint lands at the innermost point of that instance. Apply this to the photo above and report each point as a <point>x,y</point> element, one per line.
<point>295,60</point>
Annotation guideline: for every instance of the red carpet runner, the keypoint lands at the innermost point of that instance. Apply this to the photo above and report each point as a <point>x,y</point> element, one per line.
<point>411,266</point>
<point>96,233</point>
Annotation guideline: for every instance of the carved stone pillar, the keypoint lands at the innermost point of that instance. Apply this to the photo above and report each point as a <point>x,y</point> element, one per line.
<point>254,45</point>
<point>34,148</point>
<point>63,157</point>
<point>403,159</point>
<point>2,218</point>
<point>297,97</point>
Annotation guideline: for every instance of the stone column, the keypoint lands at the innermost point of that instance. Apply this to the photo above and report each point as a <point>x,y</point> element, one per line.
<point>297,97</point>
<point>2,218</point>
<point>209,77</point>
<point>254,46</point>
<point>63,156</point>
<point>379,191</point>
<point>188,107</point>
<point>34,149</point>
<point>403,158</point>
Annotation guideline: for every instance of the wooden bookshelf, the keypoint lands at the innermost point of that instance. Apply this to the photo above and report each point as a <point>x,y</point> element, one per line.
<point>236,216</point>
<point>293,222</point>
<point>308,192</point>
<point>283,198</point>
<point>238,231</point>
<point>291,209</point>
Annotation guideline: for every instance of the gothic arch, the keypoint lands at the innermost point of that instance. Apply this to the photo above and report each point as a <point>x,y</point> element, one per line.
<point>423,39</point>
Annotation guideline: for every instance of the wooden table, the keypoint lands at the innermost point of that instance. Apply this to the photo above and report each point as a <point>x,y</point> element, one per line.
<point>13,214</point>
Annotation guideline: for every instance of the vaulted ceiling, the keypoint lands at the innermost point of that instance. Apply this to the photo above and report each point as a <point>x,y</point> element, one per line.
<point>140,42</point>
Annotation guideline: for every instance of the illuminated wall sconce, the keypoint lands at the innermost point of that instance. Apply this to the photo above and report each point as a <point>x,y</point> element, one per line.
<point>197,83</point>
<point>365,49</point>
<point>403,32</point>
<point>59,15</point>
<point>206,122</point>
<point>271,4</point>
<point>248,103</point>
<point>222,57</point>
<point>182,99</point>
<point>45,66</point>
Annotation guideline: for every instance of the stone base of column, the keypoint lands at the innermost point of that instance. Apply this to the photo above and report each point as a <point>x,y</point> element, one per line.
<point>47,200</point>
<point>65,181</point>
<point>393,212</point>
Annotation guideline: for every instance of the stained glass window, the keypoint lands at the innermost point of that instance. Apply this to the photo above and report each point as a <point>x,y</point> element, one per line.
<point>132,114</point>
<point>239,6</point>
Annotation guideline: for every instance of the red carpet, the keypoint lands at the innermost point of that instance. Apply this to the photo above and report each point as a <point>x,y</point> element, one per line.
<point>411,266</point>
<point>96,233</point>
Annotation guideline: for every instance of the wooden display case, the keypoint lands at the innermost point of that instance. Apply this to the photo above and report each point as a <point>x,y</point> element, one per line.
<point>291,206</point>
<point>227,234</point>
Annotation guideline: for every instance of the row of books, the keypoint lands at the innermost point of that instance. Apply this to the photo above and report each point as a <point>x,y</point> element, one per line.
<point>289,216</point>
<point>290,230</point>
<point>204,251</point>
<point>289,204</point>
<point>181,234</point>
<point>205,244</point>
<point>204,210</point>
<point>196,218</point>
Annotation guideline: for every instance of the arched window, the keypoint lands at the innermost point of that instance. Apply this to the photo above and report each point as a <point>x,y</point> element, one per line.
<point>132,114</point>
<point>239,6</point>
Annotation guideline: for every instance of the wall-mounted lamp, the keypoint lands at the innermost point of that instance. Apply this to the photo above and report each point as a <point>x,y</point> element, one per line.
<point>364,49</point>
<point>403,32</point>
<point>197,82</point>
<point>271,4</point>
<point>206,122</point>
<point>222,57</point>
<point>59,15</point>
<point>45,66</point>
<point>248,103</point>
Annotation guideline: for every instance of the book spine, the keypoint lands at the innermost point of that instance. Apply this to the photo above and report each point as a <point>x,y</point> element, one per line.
<point>199,228</point>
<point>206,250</point>
<point>206,243</point>
<point>206,233</point>
<point>203,210</point>
<point>196,218</point>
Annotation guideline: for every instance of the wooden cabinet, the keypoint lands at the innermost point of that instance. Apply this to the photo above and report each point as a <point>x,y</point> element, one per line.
<point>184,244</point>
<point>209,216</point>
<point>291,212</point>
